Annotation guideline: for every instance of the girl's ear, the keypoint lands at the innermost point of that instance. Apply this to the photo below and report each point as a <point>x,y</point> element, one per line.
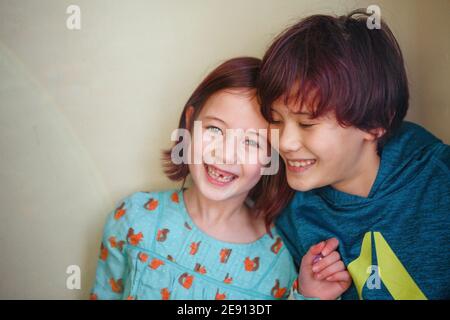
<point>189,114</point>
<point>374,134</point>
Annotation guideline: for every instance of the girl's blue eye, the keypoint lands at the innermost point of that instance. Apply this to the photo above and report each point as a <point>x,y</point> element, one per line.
<point>251,143</point>
<point>214,129</point>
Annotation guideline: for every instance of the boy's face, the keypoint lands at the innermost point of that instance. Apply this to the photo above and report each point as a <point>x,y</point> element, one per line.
<point>320,152</point>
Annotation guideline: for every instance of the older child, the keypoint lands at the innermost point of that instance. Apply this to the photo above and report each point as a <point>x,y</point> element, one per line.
<point>338,93</point>
<point>210,241</point>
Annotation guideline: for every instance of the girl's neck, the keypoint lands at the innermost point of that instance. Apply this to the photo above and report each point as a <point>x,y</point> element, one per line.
<point>211,212</point>
<point>229,220</point>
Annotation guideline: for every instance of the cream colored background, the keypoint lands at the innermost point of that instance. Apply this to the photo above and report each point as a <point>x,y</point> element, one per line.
<point>84,114</point>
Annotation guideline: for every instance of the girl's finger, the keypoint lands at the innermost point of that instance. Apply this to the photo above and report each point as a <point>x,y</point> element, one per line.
<point>313,252</point>
<point>335,267</point>
<point>326,262</point>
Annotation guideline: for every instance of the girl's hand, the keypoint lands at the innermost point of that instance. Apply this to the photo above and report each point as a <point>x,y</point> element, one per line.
<point>322,273</point>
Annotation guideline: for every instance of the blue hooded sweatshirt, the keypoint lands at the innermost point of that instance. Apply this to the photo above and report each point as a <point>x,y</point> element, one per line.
<point>396,242</point>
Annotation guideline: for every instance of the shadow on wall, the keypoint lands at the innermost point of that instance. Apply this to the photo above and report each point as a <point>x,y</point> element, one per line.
<point>42,156</point>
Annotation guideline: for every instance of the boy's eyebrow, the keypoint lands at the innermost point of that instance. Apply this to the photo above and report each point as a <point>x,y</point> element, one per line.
<point>303,113</point>
<point>300,113</point>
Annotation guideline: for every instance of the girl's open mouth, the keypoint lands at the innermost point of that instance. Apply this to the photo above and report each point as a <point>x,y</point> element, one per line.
<point>219,177</point>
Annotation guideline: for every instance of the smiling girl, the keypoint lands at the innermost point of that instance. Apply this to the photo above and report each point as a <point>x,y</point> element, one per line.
<point>215,239</point>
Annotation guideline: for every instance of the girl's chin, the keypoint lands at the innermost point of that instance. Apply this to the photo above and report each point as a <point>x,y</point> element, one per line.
<point>216,195</point>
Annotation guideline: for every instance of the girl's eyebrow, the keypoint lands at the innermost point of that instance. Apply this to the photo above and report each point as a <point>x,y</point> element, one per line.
<point>215,118</point>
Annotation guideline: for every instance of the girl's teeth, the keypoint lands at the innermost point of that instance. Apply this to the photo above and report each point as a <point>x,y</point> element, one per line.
<point>219,177</point>
<point>302,163</point>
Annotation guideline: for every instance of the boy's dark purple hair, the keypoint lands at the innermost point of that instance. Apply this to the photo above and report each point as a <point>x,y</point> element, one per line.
<point>338,64</point>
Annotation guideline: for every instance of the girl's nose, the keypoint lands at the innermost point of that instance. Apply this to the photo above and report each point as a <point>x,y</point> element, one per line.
<point>230,150</point>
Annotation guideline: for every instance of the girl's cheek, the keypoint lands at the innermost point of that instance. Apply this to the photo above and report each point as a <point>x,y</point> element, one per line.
<point>252,174</point>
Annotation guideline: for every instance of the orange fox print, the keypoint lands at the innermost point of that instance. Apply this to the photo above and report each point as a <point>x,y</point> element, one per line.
<point>199,268</point>
<point>251,265</point>
<point>93,296</point>
<point>114,244</point>
<point>295,285</point>
<point>277,245</point>
<point>151,204</point>
<point>187,226</point>
<point>174,197</point>
<point>194,247</point>
<point>116,286</point>
<point>278,292</point>
<point>224,255</point>
<point>155,263</point>
<point>227,279</point>
<point>220,296</point>
<point>120,211</point>
<point>165,294</point>
<point>133,238</point>
<point>186,280</point>
<point>103,252</point>
<point>131,298</point>
<point>143,256</point>
<point>162,235</point>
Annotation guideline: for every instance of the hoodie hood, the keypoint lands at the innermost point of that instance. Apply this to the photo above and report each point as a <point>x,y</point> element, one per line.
<point>403,157</point>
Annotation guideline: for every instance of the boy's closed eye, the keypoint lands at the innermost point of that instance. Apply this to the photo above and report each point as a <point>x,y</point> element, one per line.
<point>306,125</point>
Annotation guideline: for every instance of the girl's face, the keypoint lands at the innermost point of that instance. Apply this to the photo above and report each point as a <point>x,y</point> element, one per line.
<point>228,171</point>
<point>320,152</point>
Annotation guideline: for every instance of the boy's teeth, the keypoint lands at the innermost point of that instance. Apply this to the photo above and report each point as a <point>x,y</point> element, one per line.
<point>221,178</point>
<point>301,163</point>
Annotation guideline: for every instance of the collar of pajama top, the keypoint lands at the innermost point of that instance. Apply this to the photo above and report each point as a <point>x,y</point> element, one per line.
<point>152,249</point>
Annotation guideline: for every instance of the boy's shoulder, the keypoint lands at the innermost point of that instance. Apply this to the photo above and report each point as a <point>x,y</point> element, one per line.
<point>442,157</point>
<point>415,145</point>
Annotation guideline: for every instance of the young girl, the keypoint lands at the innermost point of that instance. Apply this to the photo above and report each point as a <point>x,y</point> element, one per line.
<point>215,239</point>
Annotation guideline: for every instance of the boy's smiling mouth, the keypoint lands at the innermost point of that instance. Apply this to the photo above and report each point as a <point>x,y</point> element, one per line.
<point>299,165</point>
<point>219,177</point>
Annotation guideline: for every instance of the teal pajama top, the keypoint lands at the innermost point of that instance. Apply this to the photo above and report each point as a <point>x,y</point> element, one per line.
<point>151,249</point>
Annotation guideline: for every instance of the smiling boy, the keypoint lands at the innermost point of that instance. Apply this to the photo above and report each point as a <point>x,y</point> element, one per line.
<point>337,92</point>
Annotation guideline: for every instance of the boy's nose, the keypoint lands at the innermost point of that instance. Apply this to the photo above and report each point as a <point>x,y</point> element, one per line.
<point>290,139</point>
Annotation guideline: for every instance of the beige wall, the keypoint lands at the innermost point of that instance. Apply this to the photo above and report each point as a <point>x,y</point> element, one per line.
<point>84,114</point>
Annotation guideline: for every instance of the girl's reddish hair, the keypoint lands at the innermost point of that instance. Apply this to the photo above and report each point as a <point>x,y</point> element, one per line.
<point>271,193</point>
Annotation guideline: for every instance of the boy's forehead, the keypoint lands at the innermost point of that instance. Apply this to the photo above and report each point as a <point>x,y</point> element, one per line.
<point>290,105</point>
<point>299,99</point>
